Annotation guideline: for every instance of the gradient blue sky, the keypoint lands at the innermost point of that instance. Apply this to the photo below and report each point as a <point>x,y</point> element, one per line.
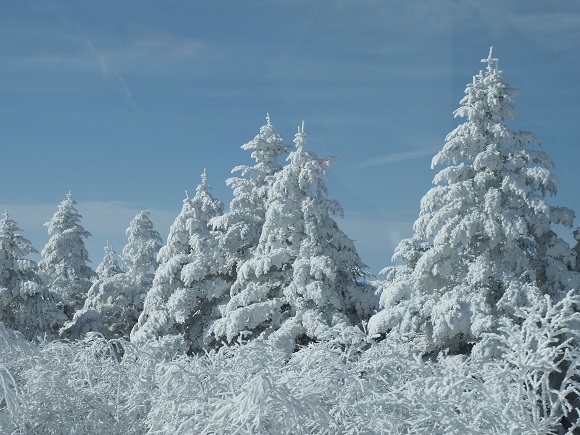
<point>125,102</point>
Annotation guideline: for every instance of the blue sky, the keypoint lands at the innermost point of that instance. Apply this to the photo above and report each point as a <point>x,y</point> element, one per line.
<point>124,103</point>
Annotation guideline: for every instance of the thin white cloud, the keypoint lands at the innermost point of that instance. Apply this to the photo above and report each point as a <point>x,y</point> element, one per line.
<point>389,159</point>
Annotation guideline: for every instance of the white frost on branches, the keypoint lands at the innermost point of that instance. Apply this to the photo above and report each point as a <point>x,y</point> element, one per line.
<point>26,305</point>
<point>240,227</point>
<point>64,257</point>
<point>305,275</point>
<point>483,245</point>
<point>191,278</point>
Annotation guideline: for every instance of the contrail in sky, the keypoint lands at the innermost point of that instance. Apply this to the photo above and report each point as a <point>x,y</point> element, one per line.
<point>115,77</point>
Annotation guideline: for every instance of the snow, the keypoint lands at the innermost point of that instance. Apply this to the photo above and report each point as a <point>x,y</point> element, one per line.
<point>263,319</point>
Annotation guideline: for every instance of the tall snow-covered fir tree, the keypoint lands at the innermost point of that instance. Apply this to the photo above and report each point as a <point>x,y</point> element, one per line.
<point>241,226</point>
<point>483,244</point>
<point>65,259</point>
<point>26,305</point>
<point>191,278</point>
<point>305,275</point>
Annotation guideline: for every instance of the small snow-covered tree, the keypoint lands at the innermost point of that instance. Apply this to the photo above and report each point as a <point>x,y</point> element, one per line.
<point>115,299</point>
<point>26,305</point>
<point>65,259</point>
<point>191,278</point>
<point>109,307</point>
<point>305,275</point>
<point>108,266</point>
<point>483,245</point>
<point>242,224</point>
<point>140,252</point>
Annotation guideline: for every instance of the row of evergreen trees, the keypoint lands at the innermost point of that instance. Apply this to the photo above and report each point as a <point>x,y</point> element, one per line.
<point>277,266</point>
<point>62,294</point>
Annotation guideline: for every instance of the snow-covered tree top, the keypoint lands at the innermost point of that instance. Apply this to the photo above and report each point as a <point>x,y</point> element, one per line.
<point>108,266</point>
<point>15,245</point>
<point>490,60</point>
<point>144,242</point>
<point>267,147</point>
<point>67,217</point>
<point>204,205</point>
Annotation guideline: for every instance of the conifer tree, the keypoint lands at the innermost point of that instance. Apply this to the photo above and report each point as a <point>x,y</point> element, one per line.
<point>140,252</point>
<point>483,245</point>
<point>241,226</point>
<point>106,307</point>
<point>191,278</point>
<point>304,276</point>
<point>115,299</point>
<point>108,266</point>
<point>26,305</point>
<point>65,259</point>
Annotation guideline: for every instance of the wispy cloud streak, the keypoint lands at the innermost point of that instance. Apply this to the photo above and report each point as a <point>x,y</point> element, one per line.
<point>111,75</point>
<point>389,159</point>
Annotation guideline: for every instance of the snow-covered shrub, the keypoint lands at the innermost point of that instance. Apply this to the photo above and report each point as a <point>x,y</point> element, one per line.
<point>89,386</point>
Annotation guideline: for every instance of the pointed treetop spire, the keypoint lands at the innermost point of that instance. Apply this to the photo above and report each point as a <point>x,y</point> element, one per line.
<point>301,128</point>
<point>268,120</point>
<point>186,195</point>
<point>68,195</point>
<point>490,60</point>
<point>204,177</point>
<point>6,214</point>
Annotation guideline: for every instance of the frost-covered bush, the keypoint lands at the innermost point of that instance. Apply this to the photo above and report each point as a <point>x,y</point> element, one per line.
<point>523,379</point>
<point>89,386</point>
<point>341,384</point>
<point>483,245</point>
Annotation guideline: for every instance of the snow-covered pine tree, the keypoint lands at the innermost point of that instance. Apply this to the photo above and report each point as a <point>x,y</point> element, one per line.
<point>65,259</point>
<point>140,252</point>
<point>191,278</point>
<point>26,305</point>
<point>240,227</point>
<point>483,244</point>
<point>108,266</point>
<point>115,300</point>
<point>109,307</point>
<point>305,275</point>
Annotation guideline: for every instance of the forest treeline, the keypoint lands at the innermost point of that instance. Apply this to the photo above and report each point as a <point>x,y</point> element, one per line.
<point>262,318</point>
